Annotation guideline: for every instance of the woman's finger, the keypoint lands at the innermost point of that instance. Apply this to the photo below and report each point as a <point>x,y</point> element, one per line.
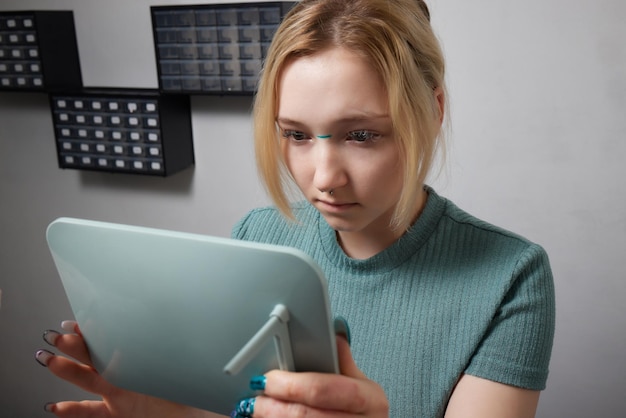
<point>347,366</point>
<point>318,390</point>
<point>83,409</point>
<point>83,376</point>
<point>319,394</point>
<point>265,407</point>
<point>343,392</point>
<point>70,326</point>
<point>72,345</point>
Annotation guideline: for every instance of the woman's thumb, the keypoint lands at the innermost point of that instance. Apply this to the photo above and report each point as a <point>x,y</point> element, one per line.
<point>347,366</point>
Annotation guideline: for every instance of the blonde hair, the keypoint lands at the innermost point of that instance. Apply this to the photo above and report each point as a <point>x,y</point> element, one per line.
<point>396,38</point>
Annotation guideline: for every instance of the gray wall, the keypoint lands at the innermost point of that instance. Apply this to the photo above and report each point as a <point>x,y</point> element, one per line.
<point>537,143</point>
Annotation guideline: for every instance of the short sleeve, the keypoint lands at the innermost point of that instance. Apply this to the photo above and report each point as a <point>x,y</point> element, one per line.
<point>517,346</point>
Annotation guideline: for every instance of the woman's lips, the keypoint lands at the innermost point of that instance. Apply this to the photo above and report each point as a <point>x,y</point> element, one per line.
<point>334,207</point>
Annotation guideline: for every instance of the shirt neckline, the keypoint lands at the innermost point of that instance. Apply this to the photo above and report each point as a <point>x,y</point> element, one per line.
<point>394,255</point>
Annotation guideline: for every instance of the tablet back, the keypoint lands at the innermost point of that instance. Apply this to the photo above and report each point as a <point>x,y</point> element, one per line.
<point>164,312</point>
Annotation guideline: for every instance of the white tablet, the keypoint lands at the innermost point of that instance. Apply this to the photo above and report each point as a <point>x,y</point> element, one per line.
<point>191,318</point>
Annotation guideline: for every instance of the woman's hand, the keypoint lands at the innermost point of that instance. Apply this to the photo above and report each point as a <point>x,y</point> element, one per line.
<point>315,395</point>
<point>116,402</point>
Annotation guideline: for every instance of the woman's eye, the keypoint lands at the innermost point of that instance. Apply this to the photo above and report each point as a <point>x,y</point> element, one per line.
<point>362,136</point>
<point>295,135</point>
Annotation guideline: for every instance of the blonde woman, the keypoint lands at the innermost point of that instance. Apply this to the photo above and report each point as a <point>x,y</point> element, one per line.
<point>448,315</point>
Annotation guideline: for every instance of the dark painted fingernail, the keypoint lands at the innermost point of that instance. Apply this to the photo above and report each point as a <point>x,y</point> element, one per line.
<point>258,383</point>
<point>43,357</point>
<point>49,407</point>
<point>245,408</point>
<point>50,336</point>
<point>342,328</point>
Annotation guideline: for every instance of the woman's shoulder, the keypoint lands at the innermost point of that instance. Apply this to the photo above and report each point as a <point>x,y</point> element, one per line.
<point>470,238</point>
<point>490,250</point>
<point>462,222</point>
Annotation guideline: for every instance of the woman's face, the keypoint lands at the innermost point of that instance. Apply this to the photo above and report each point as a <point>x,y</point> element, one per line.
<point>337,136</point>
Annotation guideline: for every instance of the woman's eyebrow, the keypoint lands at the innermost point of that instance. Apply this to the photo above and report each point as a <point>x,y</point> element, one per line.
<point>362,117</point>
<point>287,121</point>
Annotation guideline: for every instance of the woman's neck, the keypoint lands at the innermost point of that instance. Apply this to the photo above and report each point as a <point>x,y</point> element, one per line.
<point>376,237</point>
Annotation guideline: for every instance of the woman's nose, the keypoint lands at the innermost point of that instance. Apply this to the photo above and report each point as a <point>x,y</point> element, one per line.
<point>329,168</point>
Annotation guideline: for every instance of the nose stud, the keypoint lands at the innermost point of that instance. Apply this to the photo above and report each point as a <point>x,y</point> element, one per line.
<point>331,192</point>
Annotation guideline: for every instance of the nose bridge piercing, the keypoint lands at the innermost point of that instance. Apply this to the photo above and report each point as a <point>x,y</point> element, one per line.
<point>324,136</point>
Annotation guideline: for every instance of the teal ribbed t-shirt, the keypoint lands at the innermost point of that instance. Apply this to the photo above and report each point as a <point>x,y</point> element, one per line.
<point>453,295</point>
